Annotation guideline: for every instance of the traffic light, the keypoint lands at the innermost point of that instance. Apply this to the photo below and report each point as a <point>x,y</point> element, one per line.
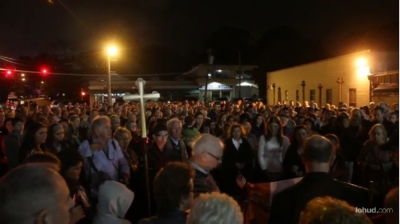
<point>83,93</point>
<point>9,73</point>
<point>44,71</point>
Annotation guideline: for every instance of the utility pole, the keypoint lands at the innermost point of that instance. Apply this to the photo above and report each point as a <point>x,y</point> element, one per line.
<point>240,76</point>
<point>209,62</point>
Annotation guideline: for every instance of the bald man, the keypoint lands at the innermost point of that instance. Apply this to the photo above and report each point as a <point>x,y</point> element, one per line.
<point>317,156</point>
<point>34,194</point>
<point>207,155</point>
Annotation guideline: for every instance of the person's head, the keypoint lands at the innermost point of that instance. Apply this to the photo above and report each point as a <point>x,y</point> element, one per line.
<point>123,137</point>
<point>355,120</point>
<point>247,127</point>
<point>114,199</point>
<point>258,120</point>
<point>334,140</point>
<point>274,127</point>
<point>236,131</point>
<point>101,128</point>
<point>115,122</point>
<point>189,121</point>
<point>55,134</point>
<point>284,120</point>
<point>392,202</point>
<point>215,208</point>
<point>8,124</point>
<point>34,193</point>
<point>18,125</point>
<point>378,134</point>
<point>46,158</point>
<point>174,127</point>
<point>173,187</point>
<point>317,154</point>
<point>208,151</point>
<point>327,210</point>
<point>160,135</point>
<point>394,117</point>
<point>71,164</point>
<point>199,118</point>
<point>131,126</point>
<point>379,113</point>
<point>300,134</point>
<point>74,120</point>
<point>36,134</point>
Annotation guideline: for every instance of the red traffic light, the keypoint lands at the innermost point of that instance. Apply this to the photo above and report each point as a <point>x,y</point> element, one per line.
<point>44,71</point>
<point>83,93</point>
<point>9,73</point>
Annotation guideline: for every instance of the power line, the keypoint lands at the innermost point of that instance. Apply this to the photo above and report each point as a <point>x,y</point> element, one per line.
<point>94,75</point>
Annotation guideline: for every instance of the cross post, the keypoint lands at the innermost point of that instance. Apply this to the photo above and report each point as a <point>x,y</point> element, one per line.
<point>140,83</point>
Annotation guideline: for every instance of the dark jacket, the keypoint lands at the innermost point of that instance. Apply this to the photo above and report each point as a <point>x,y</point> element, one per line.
<point>229,171</point>
<point>12,143</point>
<point>177,217</point>
<point>287,204</point>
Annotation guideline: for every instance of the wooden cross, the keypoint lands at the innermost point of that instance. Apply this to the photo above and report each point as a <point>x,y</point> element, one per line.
<point>140,83</point>
<point>142,97</point>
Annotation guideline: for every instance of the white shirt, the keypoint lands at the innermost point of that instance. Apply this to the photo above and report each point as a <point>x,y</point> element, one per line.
<point>237,143</point>
<point>271,153</point>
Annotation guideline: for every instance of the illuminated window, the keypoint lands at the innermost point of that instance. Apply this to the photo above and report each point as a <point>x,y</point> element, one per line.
<point>352,97</point>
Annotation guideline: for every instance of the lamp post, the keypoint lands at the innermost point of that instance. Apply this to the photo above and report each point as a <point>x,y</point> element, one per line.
<point>111,51</point>
<point>320,94</point>
<point>303,85</point>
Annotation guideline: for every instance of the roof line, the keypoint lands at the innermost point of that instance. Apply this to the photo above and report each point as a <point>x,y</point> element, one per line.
<point>315,62</point>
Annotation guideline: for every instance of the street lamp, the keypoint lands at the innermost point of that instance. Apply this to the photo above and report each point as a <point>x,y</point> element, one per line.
<point>111,51</point>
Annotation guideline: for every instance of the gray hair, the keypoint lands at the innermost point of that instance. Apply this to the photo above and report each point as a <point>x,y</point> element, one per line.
<point>171,122</point>
<point>97,122</point>
<point>26,191</point>
<point>207,143</point>
<point>215,208</point>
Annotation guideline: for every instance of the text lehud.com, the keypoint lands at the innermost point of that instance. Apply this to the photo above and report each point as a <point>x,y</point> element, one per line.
<point>374,210</point>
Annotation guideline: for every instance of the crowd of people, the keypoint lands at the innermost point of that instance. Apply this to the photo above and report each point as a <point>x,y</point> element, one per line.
<point>82,164</point>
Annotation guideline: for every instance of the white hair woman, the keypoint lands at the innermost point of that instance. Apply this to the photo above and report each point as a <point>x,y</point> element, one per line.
<point>215,208</point>
<point>376,163</point>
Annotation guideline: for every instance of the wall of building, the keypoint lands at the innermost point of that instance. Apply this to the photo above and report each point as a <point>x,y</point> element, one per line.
<point>326,73</point>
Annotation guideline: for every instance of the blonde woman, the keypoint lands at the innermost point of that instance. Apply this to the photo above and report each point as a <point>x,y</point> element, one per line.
<point>124,137</point>
<point>374,162</point>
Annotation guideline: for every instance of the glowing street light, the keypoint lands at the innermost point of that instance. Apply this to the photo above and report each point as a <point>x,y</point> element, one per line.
<point>362,67</point>
<point>23,79</point>
<point>111,51</point>
<point>22,74</point>
<point>361,62</point>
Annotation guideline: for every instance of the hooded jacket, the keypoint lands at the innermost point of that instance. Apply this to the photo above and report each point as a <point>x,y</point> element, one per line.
<point>114,200</point>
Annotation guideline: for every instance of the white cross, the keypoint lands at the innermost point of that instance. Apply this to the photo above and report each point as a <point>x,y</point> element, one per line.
<point>141,96</point>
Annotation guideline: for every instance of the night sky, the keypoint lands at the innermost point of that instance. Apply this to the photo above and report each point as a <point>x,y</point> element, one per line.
<point>29,26</point>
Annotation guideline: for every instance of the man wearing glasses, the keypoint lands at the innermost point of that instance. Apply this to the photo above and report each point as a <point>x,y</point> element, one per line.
<point>207,155</point>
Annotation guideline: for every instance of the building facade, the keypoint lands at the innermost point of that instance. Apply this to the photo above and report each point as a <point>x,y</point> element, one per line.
<point>223,81</point>
<point>347,78</point>
<point>120,86</point>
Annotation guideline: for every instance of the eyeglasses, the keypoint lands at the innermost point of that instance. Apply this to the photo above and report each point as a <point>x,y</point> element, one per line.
<point>215,157</point>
